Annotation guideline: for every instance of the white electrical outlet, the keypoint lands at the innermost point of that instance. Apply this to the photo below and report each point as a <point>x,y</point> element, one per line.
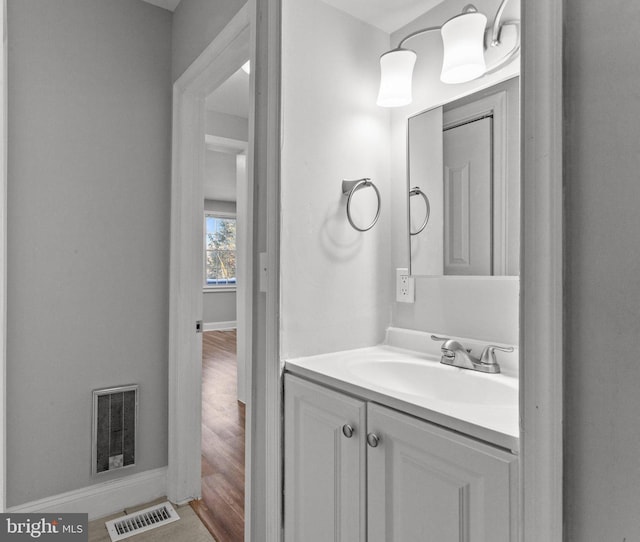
<point>405,286</point>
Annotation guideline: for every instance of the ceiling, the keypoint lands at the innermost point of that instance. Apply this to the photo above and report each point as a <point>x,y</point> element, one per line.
<point>388,15</point>
<point>171,5</point>
<point>232,96</point>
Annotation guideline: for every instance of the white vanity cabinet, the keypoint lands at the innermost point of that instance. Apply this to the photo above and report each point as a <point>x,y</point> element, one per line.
<point>428,483</point>
<point>395,479</point>
<point>325,468</point>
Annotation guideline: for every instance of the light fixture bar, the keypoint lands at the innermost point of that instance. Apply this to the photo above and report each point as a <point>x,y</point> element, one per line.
<point>418,33</point>
<point>495,33</point>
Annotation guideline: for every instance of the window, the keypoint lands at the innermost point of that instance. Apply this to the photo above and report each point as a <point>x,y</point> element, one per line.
<point>219,251</point>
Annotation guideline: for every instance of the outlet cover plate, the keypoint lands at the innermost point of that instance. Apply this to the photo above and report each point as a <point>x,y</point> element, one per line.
<point>405,286</point>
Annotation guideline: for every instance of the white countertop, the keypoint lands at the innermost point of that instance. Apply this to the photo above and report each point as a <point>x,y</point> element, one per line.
<point>494,423</point>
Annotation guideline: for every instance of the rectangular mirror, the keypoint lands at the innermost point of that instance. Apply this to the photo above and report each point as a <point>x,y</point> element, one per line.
<point>463,173</point>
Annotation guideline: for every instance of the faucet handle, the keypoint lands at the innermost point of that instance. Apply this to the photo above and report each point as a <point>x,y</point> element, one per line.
<point>448,343</point>
<point>488,356</point>
<point>449,346</point>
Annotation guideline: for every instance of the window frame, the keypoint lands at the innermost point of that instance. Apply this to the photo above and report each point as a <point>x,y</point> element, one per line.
<point>212,288</point>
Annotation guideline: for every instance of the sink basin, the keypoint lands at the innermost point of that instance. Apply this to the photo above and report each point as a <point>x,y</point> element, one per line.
<point>441,382</point>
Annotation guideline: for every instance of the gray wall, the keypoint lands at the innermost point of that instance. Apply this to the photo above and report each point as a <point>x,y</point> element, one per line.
<point>220,172</point>
<point>602,161</point>
<point>219,307</point>
<point>220,206</point>
<point>88,229</point>
<point>195,24</point>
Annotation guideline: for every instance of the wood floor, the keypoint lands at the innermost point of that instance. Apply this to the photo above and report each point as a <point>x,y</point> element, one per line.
<point>222,506</point>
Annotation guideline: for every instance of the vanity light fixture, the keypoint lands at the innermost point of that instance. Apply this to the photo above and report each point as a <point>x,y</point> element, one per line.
<point>465,55</point>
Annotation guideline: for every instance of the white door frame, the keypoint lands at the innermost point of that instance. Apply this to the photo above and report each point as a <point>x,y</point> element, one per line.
<point>226,53</point>
<point>541,331</point>
<point>244,286</point>
<point>3,254</point>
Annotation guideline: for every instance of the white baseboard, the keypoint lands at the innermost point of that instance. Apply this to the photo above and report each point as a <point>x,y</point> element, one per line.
<point>103,499</point>
<point>218,326</point>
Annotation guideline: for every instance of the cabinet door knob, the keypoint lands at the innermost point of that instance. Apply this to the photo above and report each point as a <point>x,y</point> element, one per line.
<point>373,440</point>
<point>347,430</point>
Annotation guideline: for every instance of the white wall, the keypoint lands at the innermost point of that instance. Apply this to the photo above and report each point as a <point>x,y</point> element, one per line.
<point>482,308</point>
<point>88,224</point>
<point>335,281</point>
<point>495,318</point>
<point>224,125</point>
<point>334,130</point>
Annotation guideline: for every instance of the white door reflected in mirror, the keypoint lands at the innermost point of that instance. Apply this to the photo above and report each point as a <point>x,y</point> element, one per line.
<point>468,186</point>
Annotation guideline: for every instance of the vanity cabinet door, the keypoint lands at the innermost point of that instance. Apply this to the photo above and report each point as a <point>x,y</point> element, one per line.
<point>324,467</point>
<point>429,484</point>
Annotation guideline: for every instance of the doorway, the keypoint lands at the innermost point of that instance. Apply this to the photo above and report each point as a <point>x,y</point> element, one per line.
<point>218,62</point>
<point>224,322</point>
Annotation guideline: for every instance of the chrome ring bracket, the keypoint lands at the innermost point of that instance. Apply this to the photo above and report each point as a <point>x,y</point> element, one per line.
<point>350,188</point>
<point>416,191</point>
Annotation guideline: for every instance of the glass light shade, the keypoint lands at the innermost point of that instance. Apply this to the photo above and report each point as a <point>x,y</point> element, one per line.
<point>463,40</point>
<point>396,72</point>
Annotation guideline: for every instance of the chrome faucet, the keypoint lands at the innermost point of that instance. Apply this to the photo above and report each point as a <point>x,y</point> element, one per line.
<point>453,353</point>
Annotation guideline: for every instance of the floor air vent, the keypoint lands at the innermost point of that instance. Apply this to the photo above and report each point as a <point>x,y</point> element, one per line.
<point>144,520</point>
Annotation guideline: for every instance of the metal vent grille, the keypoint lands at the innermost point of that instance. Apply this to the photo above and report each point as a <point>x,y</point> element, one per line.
<point>115,413</point>
<point>139,522</point>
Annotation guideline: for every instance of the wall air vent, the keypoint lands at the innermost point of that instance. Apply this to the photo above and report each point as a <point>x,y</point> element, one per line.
<point>115,422</point>
<point>144,520</point>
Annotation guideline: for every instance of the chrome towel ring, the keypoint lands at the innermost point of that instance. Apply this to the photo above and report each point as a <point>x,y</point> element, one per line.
<point>351,187</point>
<point>415,191</point>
